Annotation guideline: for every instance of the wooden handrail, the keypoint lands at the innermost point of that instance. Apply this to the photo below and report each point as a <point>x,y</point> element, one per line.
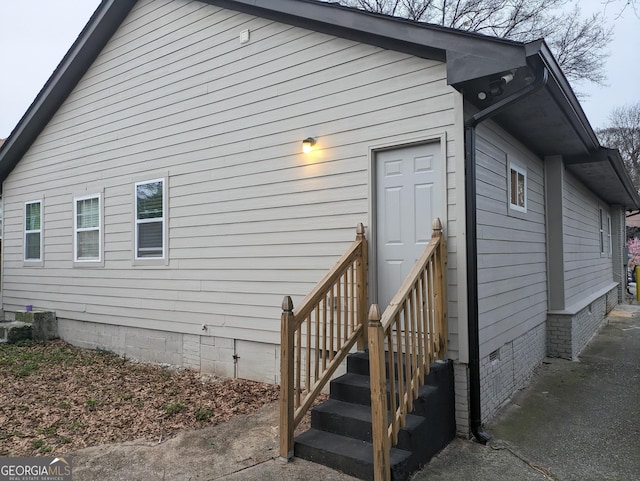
<point>414,329</point>
<point>316,337</point>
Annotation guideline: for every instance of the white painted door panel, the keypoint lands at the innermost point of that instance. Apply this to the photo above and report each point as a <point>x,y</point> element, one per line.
<point>409,193</point>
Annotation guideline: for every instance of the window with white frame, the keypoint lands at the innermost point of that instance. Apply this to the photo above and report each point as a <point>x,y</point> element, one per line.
<point>610,248</point>
<point>150,219</point>
<point>87,228</point>
<point>601,219</point>
<point>517,188</point>
<point>33,231</point>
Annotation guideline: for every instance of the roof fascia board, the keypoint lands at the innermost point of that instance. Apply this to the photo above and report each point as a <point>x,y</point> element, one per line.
<point>420,39</point>
<point>461,66</point>
<point>615,159</point>
<point>90,42</point>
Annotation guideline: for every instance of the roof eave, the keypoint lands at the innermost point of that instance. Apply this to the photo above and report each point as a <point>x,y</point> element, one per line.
<point>563,93</point>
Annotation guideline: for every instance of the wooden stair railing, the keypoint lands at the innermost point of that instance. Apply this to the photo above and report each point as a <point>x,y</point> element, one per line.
<point>316,337</point>
<point>412,332</point>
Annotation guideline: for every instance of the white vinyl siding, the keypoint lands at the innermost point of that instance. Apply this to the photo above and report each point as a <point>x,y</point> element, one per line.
<point>33,231</point>
<point>248,217</point>
<point>587,267</point>
<point>87,229</point>
<point>512,270</point>
<point>149,218</point>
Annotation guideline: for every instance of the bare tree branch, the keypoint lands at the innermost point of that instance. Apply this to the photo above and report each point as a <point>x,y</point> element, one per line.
<point>623,133</point>
<point>578,43</point>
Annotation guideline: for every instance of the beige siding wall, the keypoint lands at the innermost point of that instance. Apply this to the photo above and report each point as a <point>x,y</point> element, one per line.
<point>512,273</point>
<point>587,270</point>
<point>174,94</point>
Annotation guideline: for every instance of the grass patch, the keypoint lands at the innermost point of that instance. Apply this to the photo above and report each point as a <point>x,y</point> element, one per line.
<point>77,425</point>
<point>41,446</point>
<point>27,358</point>
<point>48,431</point>
<point>172,408</point>
<point>203,414</point>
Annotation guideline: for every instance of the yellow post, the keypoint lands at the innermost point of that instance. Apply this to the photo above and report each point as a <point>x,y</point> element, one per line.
<point>637,279</point>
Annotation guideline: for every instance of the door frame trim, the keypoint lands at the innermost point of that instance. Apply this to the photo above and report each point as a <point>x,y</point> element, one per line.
<point>440,137</point>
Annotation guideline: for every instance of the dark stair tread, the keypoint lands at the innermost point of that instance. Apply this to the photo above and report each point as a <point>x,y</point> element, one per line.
<point>340,434</point>
<point>358,363</point>
<point>360,412</point>
<point>351,456</point>
<point>353,388</point>
<point>353,379</point>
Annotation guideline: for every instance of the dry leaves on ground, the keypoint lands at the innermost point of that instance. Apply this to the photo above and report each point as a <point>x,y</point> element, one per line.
<point>56,398</point>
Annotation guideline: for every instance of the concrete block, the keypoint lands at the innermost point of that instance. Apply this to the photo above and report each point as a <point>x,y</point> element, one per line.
<point>45,324</point>
<point>256,361</point>
<point>15,331</point>
<point>225,369</point>
<point>224,342</point>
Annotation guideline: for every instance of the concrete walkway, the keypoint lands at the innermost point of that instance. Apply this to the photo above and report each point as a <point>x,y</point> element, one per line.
<point>576,421</point>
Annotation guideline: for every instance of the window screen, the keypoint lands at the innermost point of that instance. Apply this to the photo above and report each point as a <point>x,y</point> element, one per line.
<point>150,219</point>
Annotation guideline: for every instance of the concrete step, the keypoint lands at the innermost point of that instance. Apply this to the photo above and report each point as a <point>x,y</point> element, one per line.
<point>351,456</point>
<point>355,388</point>
<point>358,363</point>
<point>341,427</point>
<point>354,421</point>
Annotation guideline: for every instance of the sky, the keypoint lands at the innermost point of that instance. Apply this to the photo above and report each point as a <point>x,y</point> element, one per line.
<point>36,34</point>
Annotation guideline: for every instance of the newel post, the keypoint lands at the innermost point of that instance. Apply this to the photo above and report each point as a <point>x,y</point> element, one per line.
<point>379,423</point>
<point>362,285</point>
<point>441,289</point>
<point>287,329</point>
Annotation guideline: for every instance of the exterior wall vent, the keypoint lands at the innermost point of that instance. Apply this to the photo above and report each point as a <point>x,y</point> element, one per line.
<point>494,356</point>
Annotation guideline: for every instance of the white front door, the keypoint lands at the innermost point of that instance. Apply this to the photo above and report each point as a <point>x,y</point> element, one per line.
<point>409,195</point>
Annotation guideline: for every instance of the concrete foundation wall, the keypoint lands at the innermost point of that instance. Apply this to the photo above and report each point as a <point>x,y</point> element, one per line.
<point>235,358</point>
<point>213,355</point>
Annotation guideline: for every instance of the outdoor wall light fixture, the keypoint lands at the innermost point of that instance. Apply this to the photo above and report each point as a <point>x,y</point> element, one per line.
<point>307,144</point>
<point>496,86</point>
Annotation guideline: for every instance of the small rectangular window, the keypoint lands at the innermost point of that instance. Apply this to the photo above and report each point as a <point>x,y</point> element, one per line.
<point>150,220</point>
<point>601,231</point>
<point>87,229</point>
<point>517,188</point>
<point>33,231</point>
<point>610,248</point>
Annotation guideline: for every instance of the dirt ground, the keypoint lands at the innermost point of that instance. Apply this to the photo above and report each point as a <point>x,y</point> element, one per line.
<point>57,398</point>
<point>121,420</point>
<point>245,448</point>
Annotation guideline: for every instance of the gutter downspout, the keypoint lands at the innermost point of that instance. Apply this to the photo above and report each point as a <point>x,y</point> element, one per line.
<point>472,246</point>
